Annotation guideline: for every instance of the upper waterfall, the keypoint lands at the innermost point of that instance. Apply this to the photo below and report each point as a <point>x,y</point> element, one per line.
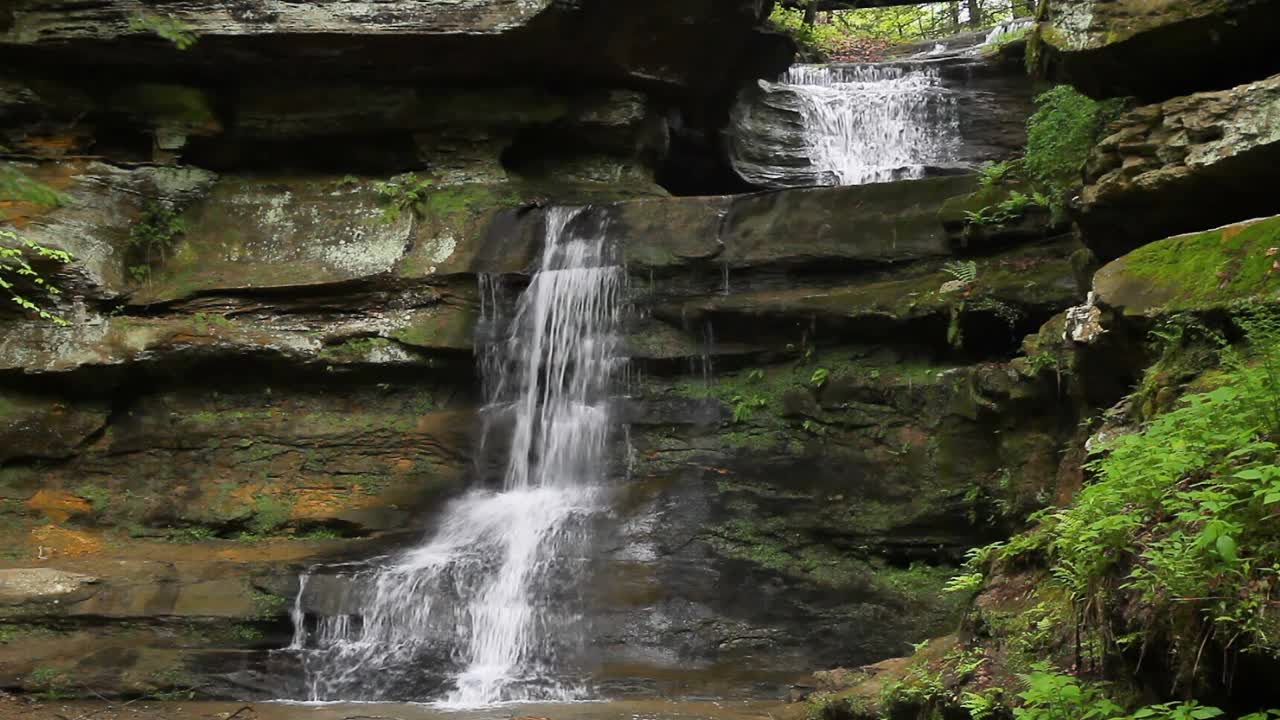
<point>490,594</point>
<point>874,123</point>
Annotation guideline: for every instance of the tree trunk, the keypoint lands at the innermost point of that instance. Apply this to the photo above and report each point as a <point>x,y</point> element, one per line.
<point>811,13</point>
<point>975,12</point>
<point>953,12</point>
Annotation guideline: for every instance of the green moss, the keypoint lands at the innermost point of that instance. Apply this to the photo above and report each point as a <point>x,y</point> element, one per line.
<point>206,323</point>
<point>269,513</point>
<point>439,327</point>
<point>356,350</point>
<point>99,497</point>
<point>1211,268</point>
<point>268,606</point>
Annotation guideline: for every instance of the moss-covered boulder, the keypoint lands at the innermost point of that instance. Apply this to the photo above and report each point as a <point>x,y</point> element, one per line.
<point>1158,49</point>
<point>1198,271</point>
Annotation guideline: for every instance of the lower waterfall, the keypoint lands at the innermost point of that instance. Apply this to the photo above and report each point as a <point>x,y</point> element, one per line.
<point>874,123</point>
<point>485,591</point>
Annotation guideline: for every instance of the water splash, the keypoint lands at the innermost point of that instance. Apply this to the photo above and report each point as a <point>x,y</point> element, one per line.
<point>874,123</point>
<point>491,590</point>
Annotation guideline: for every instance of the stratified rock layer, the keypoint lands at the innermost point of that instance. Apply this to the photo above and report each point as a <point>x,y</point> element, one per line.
<point>1186,164</point>
<point>1155,50</point>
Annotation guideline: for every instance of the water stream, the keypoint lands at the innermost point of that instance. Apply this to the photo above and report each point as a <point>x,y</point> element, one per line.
<point>871,123</point>
<point>490,593</point>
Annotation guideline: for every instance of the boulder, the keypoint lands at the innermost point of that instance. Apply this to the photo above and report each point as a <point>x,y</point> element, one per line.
<point>1154,50</point>
<point>1197,271</point>
<point>1151,177</point>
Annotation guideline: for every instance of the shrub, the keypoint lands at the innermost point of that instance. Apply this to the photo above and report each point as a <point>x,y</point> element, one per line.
<point>1184,511</point>
<point>1065,126</point>
<point>16,267</point>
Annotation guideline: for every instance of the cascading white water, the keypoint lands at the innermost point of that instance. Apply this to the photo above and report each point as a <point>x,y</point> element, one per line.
<point>874,123</point>
<point>1007,29</point>
<point>480,590</point>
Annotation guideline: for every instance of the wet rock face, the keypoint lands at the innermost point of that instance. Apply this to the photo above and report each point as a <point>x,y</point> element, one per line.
<point>1154,50</point>
<point>989,96</point>
<point>256,398</point>
<point>1151,176</point>
<point>693,46</point>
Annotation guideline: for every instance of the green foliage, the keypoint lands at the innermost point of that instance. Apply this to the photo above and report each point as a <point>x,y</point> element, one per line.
<point>1054,696</point>
<point>246,633</point>
<point>993,173</point>
<point>268,514</point>
<point>964,271</point>
<point>164,26</point>
<point>815,41</point>
<point>1065,126</point>
<point>16,253</point>
<point>400,193</point>
<point>819,377</point>
<point>744,405</point>
<point>836,31</point>
<point>1007,210</point>
<point>984,705</point>
<point>50,683</point>
<point>152,239</point>
<point>1184,511</point>
<point>266,605</point>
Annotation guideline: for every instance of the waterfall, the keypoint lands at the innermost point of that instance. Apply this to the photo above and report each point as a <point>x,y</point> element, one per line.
<point>487,589</point>
<point>1007,29</point>
<point>874,123</point>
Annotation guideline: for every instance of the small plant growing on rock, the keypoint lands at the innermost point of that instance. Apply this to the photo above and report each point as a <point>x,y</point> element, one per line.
<point>819,377</point>
<point>400,193</point>
<point>15,267</point>
<point>165,26</point>
<point>152,238</point>
<point>964,272</point>
<point>744,405</point>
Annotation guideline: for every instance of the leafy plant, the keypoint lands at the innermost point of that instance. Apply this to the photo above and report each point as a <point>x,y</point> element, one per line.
<point>1007,210</point>
<point>1188,710</point>
<point>165,26</point>
<point>963,271</point>
<point>152,238</point>
<point>1184,511</point>
<point>994,173</point>
<point>1052,695</point>
<point>819,377</point>
<point>814,428</point>
<point>744,405</point>
<point>983,705</point>
<point>400,193</point>
<point>1065,126</point>
<point>15,267</point>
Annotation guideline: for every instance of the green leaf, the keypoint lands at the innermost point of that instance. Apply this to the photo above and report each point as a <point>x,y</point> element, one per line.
<point>1226,547</point>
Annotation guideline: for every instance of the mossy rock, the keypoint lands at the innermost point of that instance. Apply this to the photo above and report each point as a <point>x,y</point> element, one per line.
<point>1199,271</point>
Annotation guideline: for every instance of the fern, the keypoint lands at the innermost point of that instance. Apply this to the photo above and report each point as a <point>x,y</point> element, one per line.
<point>964,271</point>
